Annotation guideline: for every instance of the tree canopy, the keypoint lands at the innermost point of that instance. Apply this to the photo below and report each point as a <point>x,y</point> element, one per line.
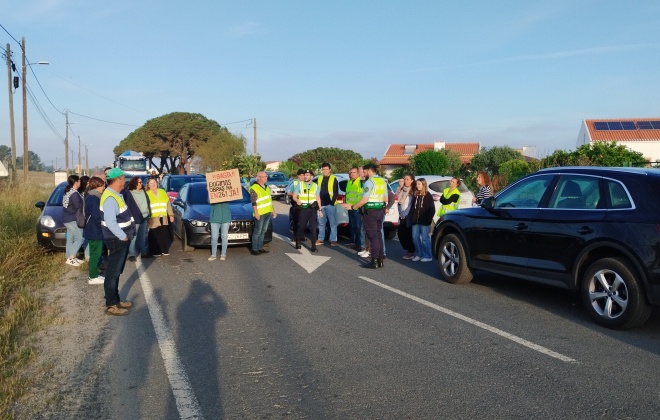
<point>177,137</point>
<point>596,154</point>
<point>340,160</point>
<point>432,162</point>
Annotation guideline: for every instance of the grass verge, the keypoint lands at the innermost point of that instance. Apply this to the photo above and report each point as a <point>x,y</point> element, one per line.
<point>25,270</point>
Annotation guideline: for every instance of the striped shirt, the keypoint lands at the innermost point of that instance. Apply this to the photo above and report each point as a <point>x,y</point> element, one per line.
<point>484,192</point>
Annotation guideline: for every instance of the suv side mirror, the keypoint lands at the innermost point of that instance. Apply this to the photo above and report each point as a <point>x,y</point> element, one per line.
<point>488,203</point>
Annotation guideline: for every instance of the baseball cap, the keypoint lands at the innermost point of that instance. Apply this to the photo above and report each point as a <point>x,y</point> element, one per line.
<point>114,173</point>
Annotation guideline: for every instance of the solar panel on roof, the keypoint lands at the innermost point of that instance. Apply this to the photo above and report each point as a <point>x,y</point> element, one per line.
<point>644,125</point>
<point>655,125</point>
<point>615,125</point>
<point>628,125</point>
<point>600,125</point>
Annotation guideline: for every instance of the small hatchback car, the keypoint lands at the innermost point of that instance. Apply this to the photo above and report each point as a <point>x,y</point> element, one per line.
<point>593,230</point>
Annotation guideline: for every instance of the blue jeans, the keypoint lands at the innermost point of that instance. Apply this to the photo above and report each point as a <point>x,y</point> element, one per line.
<point>330,215</point>
<point>355,224</point>
<point>74,239</point>
<point>139,242</point>
<point>118,251</point>
<point>422,240</point>
<point>215,230</point>
<point>259,231</point>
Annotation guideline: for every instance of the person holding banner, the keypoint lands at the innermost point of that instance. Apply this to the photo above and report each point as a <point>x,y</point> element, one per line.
<point>222,186</point>
<point>263,211</point>
<point>220,220</point>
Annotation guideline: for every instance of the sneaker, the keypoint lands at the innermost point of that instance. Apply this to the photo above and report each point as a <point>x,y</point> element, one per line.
<point>222,258</point>
<point>165,253</point>
<point>263,251</point>
<point>73,262</point>
<point>79,261</point>
<point>96,280</point>
<point>426,260</point>
<point>132,258</point>
<point>416,258</point>
<point>156,255</point>
<point>116,310</point>
<point>318,242</point>
<point>364,254</point>
<point>333,243</point>
<point>408,256</point>
<point>125,304</point>
<point>212,258</point>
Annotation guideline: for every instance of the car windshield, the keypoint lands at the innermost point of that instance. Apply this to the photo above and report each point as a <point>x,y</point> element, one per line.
<point>56,197</point>
<point>278,177</point>
<point>200,195</point>
<point>178,182</point>
<point>133,165</point>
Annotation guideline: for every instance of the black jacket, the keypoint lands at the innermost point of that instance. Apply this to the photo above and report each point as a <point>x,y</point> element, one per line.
<point>423,210</point>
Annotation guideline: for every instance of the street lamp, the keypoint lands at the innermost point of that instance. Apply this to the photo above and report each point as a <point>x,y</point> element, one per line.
<point>25,126</point>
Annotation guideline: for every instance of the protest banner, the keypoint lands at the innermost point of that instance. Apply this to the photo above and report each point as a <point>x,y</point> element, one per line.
<point>224,186</point>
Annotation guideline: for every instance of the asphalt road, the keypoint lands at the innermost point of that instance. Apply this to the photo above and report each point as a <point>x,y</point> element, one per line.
<point>263,337</point>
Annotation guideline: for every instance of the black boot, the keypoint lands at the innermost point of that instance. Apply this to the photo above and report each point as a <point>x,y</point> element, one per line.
<point>313,248</point>
<point>380,262</point>
<point>298,244</point>
<point>371,264</point>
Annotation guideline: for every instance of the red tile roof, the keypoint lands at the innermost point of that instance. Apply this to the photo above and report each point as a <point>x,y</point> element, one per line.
<point>622,135</point>
<point>395,152</point>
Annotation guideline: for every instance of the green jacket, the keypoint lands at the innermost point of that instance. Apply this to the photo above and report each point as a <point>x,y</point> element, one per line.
<point>220,213</point>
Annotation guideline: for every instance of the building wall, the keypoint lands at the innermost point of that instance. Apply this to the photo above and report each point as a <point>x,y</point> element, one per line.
<point>650,149</point>
<point>583,136</point>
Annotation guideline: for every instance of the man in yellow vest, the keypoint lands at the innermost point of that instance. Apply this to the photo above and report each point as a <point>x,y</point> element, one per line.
<point>374,207</point>
<point>294,212</point>
<point>353,196</point>
<point>306,196</point>
<point>118,229</point>
<point>328,191</point>
<point>263,210</point>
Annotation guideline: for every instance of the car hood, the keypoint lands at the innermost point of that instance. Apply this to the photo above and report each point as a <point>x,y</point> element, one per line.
<point>55,212</point>
<point>201,212</point>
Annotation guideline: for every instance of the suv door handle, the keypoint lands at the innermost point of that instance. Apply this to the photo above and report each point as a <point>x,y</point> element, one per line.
<point>585,230</point>
<point>521,226</point>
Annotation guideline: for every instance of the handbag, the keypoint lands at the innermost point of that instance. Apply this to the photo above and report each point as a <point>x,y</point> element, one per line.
<point>81,221</point>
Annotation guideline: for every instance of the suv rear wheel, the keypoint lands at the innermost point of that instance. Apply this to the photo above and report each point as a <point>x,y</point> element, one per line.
<point>613,296</point>
<point>452,261</point>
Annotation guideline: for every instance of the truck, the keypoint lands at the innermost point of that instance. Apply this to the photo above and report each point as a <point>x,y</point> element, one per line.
<point>132,163</point>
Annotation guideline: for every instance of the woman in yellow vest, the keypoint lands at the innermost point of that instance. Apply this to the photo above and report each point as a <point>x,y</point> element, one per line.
<point>451,197</point>
<point>161,216</point>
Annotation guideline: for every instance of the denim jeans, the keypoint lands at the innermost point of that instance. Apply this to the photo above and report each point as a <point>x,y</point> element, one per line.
<point>422,240</point>
<point>118,250</point>
<point>259,231</point>
<point>355,224</point>
<point>74,239</point>
<point>330,215</point>
<point>139,242</point>
<point>215,230</point>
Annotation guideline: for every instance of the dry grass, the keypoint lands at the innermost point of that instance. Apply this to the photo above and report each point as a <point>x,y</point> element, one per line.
<point>25,269</point>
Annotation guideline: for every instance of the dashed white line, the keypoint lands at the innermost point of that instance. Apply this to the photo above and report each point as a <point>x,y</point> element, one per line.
<point>186,402</point>
<point>474,322</point>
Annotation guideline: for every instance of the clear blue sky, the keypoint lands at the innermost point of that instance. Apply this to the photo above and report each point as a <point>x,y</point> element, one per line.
<point>350,74</point>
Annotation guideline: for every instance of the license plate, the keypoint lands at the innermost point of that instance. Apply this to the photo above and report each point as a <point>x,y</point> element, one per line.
<point>238,236</point>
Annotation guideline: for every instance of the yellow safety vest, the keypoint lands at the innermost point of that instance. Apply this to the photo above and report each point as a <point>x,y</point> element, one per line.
<point>331,183</point>
<point>264,200</point>
<point>158,204</point>
<point>307,195</point>
<point>377,194</point>
<point>444,208</point>
<point>124,217</point>
<point>354,191</point>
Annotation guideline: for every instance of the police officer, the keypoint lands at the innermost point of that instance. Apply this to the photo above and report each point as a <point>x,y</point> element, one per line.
<point>374,207</point>
<point>295,209</point>
<point>306,196</point>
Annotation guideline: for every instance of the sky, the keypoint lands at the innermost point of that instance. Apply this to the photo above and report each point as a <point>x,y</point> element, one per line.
<point>351,74</point>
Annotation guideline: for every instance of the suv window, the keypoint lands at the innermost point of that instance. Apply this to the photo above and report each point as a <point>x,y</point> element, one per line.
<point>618,195</point>
<point>525,194</point>
<point>576,192</point>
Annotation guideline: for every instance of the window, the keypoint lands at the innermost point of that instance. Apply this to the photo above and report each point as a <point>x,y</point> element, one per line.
<point>524,194</point>
<point>576,192</point>
<point>618,195</point>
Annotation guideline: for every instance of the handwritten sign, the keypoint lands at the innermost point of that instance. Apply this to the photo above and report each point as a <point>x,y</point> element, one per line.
<point>224,186</point>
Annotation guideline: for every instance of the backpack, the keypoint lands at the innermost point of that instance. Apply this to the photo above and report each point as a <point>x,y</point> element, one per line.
<point>80,217</point>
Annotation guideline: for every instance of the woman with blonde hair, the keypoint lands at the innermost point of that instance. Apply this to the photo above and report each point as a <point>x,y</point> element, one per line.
<point>421,218</point>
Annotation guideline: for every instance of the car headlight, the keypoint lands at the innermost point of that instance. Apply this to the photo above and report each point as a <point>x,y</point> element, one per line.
<point>198,223</point>
<point>47,221</point>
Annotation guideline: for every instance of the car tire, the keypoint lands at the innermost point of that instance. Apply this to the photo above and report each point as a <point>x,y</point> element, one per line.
<point>452,261</point>
<point>184,241</point>
<point>613,296</point>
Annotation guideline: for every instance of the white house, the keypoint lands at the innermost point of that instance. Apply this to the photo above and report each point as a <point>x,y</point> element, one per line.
<point>638,134</point>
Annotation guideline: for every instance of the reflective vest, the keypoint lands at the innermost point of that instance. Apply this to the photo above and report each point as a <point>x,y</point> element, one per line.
<point>158,204</point>
<point>307,194</point>
<point>124,217</point>
<point>444,208</point>
<point>331,183</point>
<point>354,191</point>
<point>264,201</point>
<point>377,194</point>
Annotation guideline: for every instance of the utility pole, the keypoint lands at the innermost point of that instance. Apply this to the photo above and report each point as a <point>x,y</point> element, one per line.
<point>86,160</point>
<point>12,170</point>
<point>255,136</point>
<point>79,161</point>
<point>66,144</point>
<point>25,126</point>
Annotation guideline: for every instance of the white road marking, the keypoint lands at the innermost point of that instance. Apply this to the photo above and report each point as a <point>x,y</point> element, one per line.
<point>474,322</point>
<point>186,402</point>
<point>303,258</point>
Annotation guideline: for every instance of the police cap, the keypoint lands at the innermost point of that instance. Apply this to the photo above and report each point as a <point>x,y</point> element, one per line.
<point>301,171</point>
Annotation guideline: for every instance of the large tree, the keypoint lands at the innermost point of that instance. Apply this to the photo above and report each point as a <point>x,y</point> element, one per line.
<point>175,138</point>
<point>340,160</point>
<point>248,165</point>
<point>490,159</point>
<point>435,162</point>
<point>596,154</point>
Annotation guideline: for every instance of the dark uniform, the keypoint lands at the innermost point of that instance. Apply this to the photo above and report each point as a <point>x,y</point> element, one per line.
<point>307,212</point>
<point>373,214</point>
<point>294,213</point>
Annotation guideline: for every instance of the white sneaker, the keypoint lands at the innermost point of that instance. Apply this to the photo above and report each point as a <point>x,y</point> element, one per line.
<point>96,280</point>
<point>212,258</point>
<point>426,260</point>
<point>222,258</point>
<point>79,261</point>
<point>73,262</point>
<point>416,258</point>
<point>364,254</point>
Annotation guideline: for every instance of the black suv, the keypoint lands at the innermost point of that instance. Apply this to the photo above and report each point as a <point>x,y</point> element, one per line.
<point>593,230</point>
<point>173,183</point>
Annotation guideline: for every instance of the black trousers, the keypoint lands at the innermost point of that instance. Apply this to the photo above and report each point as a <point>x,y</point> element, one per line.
<point>372,220</point>
<point>159,240</point>
<point>405,236</point>
<point>295,217</point>
<point>305,217</point>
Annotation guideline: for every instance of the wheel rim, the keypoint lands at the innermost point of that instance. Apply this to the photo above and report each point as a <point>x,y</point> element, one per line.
<point>608,294</point>
<point>450,259</point>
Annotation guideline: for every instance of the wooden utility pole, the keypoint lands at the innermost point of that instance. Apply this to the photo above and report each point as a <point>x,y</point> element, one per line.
<point>66,144</point>
<point>86,160</point>
<point>79,161</point>
<point>25,126</point>
<point>12,170</point>
<point>255,136</point>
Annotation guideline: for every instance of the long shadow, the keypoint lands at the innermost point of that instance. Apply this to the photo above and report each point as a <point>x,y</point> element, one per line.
<point>197,316</point>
